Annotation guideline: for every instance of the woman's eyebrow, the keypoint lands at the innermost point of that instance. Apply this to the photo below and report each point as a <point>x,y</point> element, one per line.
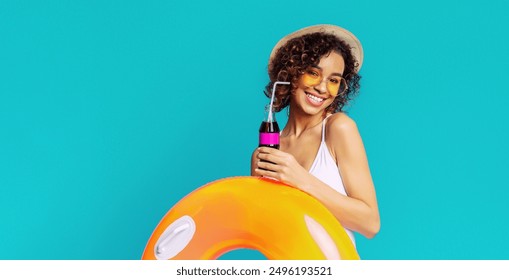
<point>333,74</point>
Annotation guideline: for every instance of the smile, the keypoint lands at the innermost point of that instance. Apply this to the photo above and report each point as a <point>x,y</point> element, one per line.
<point>314,99</point>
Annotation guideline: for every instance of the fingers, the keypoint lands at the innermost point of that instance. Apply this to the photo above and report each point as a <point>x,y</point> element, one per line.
<point>267,173</point>
<point>268,166</point>
<point>273,155</point>
<point>274,163</point>
<point>267,150</point>
<point>268,157</point>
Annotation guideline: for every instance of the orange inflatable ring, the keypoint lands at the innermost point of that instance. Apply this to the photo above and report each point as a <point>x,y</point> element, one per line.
<point>281,222</point>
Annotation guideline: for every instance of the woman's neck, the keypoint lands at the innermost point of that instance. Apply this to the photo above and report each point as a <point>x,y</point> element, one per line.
<point>300,123</point>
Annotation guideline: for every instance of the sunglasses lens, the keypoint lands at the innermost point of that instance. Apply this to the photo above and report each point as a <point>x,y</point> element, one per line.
<point>333,88</point>
<point>336,86</point>
<point>311,79</point>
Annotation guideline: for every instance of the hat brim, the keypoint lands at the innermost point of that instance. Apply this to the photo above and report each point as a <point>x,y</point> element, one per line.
<point>337,31</point>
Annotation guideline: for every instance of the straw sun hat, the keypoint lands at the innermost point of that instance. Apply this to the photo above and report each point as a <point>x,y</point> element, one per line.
<point>339,32</point>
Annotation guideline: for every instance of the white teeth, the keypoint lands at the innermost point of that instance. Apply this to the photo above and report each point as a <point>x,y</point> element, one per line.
<point>314,98</point>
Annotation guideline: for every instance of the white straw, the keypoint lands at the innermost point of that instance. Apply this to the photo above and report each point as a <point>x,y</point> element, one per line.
<point>272,98</point>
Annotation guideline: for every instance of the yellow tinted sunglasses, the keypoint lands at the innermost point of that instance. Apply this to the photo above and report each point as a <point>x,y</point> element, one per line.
<point>335,84</point>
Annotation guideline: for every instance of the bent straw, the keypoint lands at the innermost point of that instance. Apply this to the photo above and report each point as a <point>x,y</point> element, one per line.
<point>269,119</point>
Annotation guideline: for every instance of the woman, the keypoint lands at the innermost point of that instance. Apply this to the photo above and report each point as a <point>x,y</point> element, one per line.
<point>321,151</point>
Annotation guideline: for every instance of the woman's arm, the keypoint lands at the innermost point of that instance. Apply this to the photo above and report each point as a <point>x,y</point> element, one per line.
<point>360,211</point>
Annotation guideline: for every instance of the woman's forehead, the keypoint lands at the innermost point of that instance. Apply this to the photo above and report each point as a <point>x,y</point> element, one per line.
<point>332,63</point>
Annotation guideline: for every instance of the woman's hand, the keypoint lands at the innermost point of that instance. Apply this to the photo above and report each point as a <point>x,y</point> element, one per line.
<point>281,166</point>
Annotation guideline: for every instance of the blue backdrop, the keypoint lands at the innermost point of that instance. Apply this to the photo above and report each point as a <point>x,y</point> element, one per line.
<point>112,111</point>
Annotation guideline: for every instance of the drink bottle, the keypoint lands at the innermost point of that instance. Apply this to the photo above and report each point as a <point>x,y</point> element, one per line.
<point>269,131</point>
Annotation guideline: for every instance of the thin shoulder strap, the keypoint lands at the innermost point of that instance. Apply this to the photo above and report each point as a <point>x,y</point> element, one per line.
<point>323,127</point>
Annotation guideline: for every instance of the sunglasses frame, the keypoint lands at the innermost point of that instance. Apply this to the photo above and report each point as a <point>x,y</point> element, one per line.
<point>319,78</point>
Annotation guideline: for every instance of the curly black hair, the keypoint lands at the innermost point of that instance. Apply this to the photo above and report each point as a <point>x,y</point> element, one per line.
<point>300,53</point>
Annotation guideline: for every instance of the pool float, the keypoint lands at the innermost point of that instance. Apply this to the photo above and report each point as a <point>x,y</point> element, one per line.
<point>282,222</point>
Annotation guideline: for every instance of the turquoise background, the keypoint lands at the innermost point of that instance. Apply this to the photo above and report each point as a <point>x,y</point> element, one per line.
<point>112,111</point>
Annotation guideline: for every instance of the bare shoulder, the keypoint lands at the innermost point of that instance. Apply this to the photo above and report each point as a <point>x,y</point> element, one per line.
<point>340,125</point>
<point>342,136</point>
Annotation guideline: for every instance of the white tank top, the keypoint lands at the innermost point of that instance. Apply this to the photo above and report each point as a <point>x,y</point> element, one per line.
<point>325,169</point>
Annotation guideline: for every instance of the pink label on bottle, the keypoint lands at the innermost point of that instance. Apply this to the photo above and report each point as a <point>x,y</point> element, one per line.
<point>269,138</point>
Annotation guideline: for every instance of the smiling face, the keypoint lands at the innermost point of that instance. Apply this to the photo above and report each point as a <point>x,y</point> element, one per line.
<point>319,85</point>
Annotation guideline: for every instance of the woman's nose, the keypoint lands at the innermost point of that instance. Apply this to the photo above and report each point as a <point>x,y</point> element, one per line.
<point>322,86</point>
